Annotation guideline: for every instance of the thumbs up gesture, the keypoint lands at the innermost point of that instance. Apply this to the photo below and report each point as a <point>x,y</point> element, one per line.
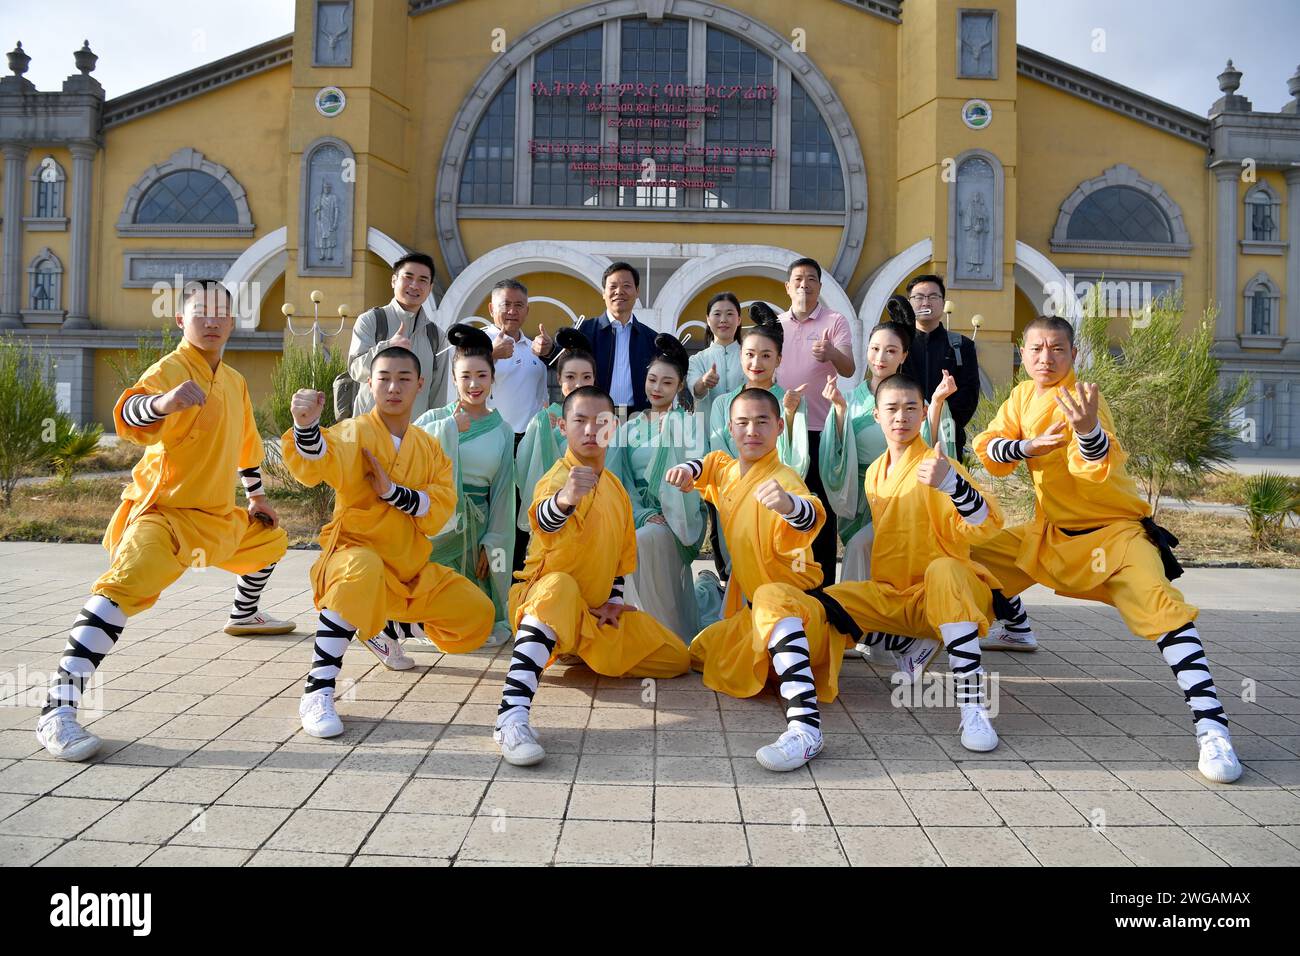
<point>793,397</point>
<point>710,378</point>
<point>541,342</point>
<point>934,469</point>
<point>503,347</point>
<point>401,339</point>
<point>821,345</point>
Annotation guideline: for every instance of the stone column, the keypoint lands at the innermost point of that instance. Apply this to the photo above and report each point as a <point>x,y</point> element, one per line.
<point>83,165</point>
<point>1225,252</point>
<point>11,273</point>
<point>1291,324</point>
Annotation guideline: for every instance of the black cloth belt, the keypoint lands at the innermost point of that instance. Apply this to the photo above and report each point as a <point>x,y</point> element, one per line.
<point>836,616</point>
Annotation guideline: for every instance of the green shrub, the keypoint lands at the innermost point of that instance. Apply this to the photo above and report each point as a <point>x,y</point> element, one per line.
<point>148,350</point>
<point>1270,498</point>
<point>29,414</point>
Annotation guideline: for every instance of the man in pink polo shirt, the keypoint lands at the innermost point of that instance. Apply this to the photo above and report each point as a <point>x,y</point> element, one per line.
<point>818,343</point>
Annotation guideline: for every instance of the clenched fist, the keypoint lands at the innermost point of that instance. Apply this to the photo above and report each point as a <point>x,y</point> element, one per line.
<point>680,477</point>
<point>772,496</point>
<point>306,406</point>
<point>581,480</point>
<point>183,396</point>
<point>503,347</point>
<point>934,468</point>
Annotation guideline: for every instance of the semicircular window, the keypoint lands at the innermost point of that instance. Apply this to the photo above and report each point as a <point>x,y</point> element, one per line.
<point>187,196</point>
<point>1120,214</point>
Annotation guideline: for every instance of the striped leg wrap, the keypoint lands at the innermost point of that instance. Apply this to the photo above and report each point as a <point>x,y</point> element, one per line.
<point>1018,623</point>
<point>1183,652</point>
<point>962,642</point>
<point>534,642</point>
<point>892,642</point>
<point>400,630</point>
<point>333,634</point>
<point>248,592</point>
<point>93,635</point>
<point>788,648</point>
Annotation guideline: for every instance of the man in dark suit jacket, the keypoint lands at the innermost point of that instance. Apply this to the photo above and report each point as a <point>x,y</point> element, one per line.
<point>623,346</point>
<point>935,349</point>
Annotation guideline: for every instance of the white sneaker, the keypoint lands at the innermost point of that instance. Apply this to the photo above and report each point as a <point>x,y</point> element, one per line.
<point>390,653</point>
<point>519,744</point>
<point>913,661</point>
<point>500,634</point>
<point>319,718</point>
<point>61,735</point>
<point>977,732</point>
<point>1000,639</point>
<point>259,623</point>
<point>792,750</point>
<point>1218,761</point>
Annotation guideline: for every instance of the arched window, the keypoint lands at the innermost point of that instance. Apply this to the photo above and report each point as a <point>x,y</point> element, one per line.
<point>44,282</point>
<point>1263,216</point>
<point>1261,307</point>
<point>1119,212</point>
<point>489,175</point>
<point>187,195</point>
<point>49,183</point>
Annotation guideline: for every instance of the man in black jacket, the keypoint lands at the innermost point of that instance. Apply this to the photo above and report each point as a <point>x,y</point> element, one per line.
<point>935,348</point>
<point>623,346</point>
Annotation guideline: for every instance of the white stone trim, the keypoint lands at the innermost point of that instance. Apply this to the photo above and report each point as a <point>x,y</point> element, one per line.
<point>1122,174</point>
<point>185,158</point>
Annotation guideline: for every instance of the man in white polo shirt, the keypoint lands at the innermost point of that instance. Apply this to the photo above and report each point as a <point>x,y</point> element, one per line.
<point>519,391</point>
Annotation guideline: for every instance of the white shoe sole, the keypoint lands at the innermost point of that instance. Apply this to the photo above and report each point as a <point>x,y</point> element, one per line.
<point>524,760</point>
<point>983,748</point>
<point>997,644</point>
<point>398,664</point>
<point>78,751</point>
<point>769,764</point>
<point>320,734</point>
<point>255,629</point>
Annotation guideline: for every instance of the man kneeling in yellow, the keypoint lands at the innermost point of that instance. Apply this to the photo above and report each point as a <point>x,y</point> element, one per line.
<point>569,599</point>
<point>926,512</point>
<point>771,519</point>
<point>193,412</point>
<point>393,491</point>
<point>1092,536</point>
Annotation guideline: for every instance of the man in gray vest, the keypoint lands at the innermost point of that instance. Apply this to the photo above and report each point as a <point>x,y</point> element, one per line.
<point>401,322</point>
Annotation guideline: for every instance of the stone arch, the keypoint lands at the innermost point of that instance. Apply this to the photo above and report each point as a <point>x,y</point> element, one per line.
<point>183,159</point>
<point>774,44</point>
<point>1122,175</point>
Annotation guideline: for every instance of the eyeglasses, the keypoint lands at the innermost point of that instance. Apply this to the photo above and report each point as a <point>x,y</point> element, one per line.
<point>922,298</point>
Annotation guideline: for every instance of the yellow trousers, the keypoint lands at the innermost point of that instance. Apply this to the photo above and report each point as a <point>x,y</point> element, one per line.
<point>951,592</point>
<point>1120,569</point>
<point>732,654</point>
<point>454,613</point>
<point>161,544</point>
<point>637,646</point>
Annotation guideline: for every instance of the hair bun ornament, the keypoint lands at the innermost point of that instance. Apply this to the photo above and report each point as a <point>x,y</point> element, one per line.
<point>570,339</point>
<point>466,337</point>
<point>900,310</point>
<point>669,345</point>
<point>761,314</point>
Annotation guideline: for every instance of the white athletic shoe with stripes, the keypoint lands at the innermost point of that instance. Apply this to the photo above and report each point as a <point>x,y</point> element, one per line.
<point>319,718</point>
<point>792,750</point>
<point>1001,639</point>
<point>61,735</point>
<point>977,731</point>
<point>1218,761</point>
<point>519,744</point>
<point>913,661</point>
<point>389,652</point>
<point>259,623</point>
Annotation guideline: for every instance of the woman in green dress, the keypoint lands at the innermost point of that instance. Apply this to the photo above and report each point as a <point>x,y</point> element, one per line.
<point>479,540</point>
<point>670,525</point>
<point>542,444</point>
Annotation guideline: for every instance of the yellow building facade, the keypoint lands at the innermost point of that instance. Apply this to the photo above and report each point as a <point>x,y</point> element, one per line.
<point>709,144</point>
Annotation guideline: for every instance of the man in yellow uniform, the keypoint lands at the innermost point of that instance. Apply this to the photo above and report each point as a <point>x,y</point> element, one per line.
<point>1092,536</point>
<point>393,492</point>
<point>569,595</point>
<point>771,520</point>
<point>927,512</point>
<point>193,413</point>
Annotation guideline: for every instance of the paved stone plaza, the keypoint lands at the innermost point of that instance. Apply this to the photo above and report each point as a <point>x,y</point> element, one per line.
<point>204,762</point>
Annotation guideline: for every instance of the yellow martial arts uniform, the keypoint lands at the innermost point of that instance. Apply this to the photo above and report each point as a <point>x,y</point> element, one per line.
<point>179,511</point>
<point>1115,563</point>
<point>374,564</point>
<point>571,571</point>
<point>765,548</point>
<point>922,570</point>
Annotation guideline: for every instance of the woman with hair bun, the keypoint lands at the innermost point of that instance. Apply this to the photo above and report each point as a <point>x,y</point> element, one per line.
<point>670,525</point>
<point>480,542</point>
<point>715,369</point>
<point>542,444</point>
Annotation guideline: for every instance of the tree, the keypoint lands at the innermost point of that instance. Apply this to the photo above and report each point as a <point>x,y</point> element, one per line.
<point>1172,410</point>
<point>29,414</point>
<point>148,350</point>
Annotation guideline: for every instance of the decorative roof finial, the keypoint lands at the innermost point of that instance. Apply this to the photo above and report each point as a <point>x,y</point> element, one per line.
<point>1230,79</point>
<point>18,60</point>
<point>85,59</point>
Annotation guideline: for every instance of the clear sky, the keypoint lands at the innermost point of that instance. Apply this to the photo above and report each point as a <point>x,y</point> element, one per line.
<point>1170,49</point>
